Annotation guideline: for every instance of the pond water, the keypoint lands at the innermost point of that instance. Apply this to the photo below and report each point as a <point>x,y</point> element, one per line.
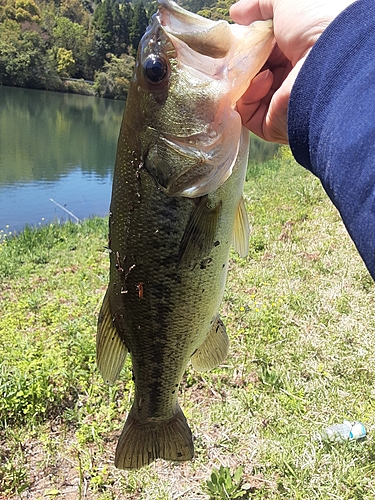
<point>57,153</point>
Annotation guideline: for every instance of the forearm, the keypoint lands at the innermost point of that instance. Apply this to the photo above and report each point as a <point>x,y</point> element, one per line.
<point>331,120</point>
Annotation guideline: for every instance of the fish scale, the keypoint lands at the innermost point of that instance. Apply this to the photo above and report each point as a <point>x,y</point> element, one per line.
<point>176,208</point>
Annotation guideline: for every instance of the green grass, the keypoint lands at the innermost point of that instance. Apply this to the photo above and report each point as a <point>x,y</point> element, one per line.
<point>299,312</point>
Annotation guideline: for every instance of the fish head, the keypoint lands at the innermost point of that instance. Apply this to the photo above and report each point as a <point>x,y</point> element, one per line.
<point>189,74</point>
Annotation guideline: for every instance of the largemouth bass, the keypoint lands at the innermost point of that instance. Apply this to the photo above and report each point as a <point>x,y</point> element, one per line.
<point>176,209</point>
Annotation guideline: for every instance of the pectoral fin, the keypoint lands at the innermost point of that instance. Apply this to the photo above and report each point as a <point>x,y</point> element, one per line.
<point>241,230</point>
<point>214,349</point>
<point>199,235</point>
<point>110,350</point>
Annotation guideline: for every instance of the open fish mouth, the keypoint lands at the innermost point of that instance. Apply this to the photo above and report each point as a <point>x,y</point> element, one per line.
<point>218,60</point>
<point>216,48</point>
<point>225,57</point>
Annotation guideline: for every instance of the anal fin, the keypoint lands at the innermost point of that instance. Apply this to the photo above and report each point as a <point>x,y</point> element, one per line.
<point>214,349</point>
<point>241,230</point>
<point>110,350</point>
<point>143,442</point>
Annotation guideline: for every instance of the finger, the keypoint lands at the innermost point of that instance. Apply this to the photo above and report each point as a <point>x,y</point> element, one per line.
<point>275,121</point>
<point>259,87</point>
<point>266,117</point>
<point>248,11</point>
<point>255,100</point>
<point>257,118</point>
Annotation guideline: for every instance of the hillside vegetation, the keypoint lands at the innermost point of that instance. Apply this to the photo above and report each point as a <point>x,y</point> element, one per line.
<point>50,45</point>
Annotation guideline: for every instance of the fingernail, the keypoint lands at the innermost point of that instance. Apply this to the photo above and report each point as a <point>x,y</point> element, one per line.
<point>261,76</point>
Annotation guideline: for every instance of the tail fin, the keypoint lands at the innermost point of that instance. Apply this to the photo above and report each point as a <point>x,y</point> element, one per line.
<point>142,443</point>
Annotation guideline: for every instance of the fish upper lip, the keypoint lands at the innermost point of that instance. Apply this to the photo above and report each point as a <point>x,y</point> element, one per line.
<point>200,34</point>
<point>181,16</point>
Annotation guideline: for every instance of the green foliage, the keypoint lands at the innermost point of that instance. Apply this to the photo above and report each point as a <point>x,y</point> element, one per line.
<point>32,389</point>
<point>51,41</point>
<point>122,20</point>
<point>224,485</point>
<point>114,80</point>
<point>27,10</point>
<point>13,470</point>
<point>219,10</point>
<point>24,60</point>
<point>42,43</point>
<point>138,26</point>
<point>211,9</point>
<point>41,372</point>
<point>75,12</point>
<point>65,62</point>
<point>103,22</point>
<point>79,86</point>
<point>196,5</point>
<point>73,38</point>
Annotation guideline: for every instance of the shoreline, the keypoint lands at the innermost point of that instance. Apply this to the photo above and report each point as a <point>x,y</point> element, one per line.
<point>75,86</point>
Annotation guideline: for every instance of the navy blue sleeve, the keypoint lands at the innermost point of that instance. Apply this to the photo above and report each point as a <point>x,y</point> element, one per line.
<point>331,120</point>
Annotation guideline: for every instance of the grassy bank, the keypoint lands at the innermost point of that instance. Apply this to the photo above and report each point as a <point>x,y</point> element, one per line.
<point>299,312</point>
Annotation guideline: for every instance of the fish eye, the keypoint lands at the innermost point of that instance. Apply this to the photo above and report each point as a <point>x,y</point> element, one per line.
<point>155,69</point>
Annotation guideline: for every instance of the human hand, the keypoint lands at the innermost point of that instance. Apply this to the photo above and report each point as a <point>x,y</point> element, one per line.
<point>297,26</point>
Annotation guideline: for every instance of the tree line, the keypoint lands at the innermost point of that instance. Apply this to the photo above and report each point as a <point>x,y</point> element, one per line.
<point>63,44</point>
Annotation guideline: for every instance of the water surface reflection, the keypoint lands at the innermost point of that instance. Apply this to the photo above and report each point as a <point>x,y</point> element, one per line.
<point>60,146</point>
